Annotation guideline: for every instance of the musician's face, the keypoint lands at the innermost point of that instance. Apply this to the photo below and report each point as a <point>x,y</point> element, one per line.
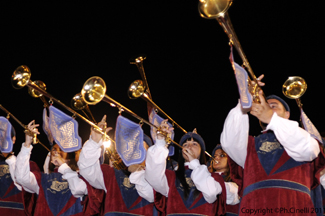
<point>56,150</point>
<point>278,107</point>
<point>194,149</point>
<point>220,161</point>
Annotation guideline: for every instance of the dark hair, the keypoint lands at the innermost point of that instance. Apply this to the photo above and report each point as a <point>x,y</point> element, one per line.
<point>180,172</point>
<point>13,132</point>
<point>227,177</point>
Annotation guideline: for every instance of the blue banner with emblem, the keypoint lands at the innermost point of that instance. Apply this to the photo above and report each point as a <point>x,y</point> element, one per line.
<point>310,128</point>
<point>6,144</point>
<point>155,119</point>
<point>129,141</point>
<point>46,127</point>
<point>241,78</point>
<point>64,130</point>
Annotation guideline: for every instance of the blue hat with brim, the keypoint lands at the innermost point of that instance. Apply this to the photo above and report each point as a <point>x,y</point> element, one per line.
<point>215,149</point>
<point>286,106</point>
<point>195,136</point>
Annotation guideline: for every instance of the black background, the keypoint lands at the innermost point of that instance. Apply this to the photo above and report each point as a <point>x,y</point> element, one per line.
<point>187,66</point>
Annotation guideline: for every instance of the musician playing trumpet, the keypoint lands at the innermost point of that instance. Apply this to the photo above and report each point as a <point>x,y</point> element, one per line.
<point>124,191</point>
<point>56,193</point>
<point>279,166</point>
<point>191,189</point>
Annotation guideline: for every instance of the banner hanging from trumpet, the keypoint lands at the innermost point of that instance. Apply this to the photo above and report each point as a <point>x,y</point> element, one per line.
<point>129,141</point>
<point>6,143</point>
<point>309,127</point>
<point>155,119</point>
<point>241,78</point>
<point>64,130</point>
<point>46,127</point>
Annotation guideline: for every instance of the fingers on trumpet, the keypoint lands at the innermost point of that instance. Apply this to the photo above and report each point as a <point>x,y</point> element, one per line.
<point>32,128</point>
<point>164,130</point>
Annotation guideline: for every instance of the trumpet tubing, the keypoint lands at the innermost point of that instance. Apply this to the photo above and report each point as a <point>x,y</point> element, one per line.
<point>217,9</point>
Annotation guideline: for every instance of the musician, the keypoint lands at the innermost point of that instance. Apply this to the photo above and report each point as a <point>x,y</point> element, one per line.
<point>52,193</point>
<point>11,197</point>
<point>279,166</point>
<point>125,192</point>
<point>192,189</point>
<point>219,164</point>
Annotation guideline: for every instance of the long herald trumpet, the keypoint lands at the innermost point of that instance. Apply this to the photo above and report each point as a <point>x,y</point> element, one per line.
<point>78,103</point>
<point>140,88</point>
<point>35,139</point>
<point>94,91</point>
<point>217,9</point>
<point>21,77</point>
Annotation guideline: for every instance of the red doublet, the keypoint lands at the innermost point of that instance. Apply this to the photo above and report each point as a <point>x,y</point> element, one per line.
<point>11,198</point>
<point>174,204</point>
<point>38,205</point>
<point>273,183</point>
<point>122,196</point>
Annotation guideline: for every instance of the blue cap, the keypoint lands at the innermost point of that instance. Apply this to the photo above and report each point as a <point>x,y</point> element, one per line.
<point>218,146</point>
<point>195,136</point>
<point>286,106</point>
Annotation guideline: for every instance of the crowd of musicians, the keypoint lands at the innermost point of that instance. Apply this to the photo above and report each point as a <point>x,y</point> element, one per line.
<point>276,173</point>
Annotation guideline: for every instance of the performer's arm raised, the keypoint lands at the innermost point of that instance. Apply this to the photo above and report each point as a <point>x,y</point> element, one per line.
<point>88,163</point>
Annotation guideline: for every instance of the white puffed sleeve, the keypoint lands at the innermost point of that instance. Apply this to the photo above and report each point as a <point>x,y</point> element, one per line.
<point>156,167</point>
<point>89,166</point>
<point>22,173</point>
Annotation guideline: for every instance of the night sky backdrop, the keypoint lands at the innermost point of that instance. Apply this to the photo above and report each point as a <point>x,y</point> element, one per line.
<point>187,66</point>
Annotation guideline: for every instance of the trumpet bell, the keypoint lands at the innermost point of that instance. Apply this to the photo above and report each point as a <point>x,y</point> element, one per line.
<point>78,103</point>
<point>211,9</point>
<point>136,89</point>
<point>20,77</point>
<point>294,87</point>
<point>93,90</point>
<point>35,93</point>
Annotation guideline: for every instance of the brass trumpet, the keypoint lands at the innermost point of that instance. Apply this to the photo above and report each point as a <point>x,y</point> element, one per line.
<point>294,87</point>
<point>78,103</point>
<point>37,94</point>
<point>140,88</point>
<point>93,91</point>
<point>217,9</point>
<point>21,77</point>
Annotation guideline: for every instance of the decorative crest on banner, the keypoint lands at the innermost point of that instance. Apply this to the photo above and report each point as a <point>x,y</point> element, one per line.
<point>129,141</point>
<point>241,78</point>
<point>46,127</point>
<point>309,127</point>
<point>155,119</point>
<point>6,144</point>
<point>64,130</point>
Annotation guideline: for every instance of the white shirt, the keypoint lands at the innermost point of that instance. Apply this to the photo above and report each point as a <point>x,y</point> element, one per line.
<point>11,161</point>
<point>90,169</point>
<point>201,177</point>
<point>297,142</point>
<point>28,180</point>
